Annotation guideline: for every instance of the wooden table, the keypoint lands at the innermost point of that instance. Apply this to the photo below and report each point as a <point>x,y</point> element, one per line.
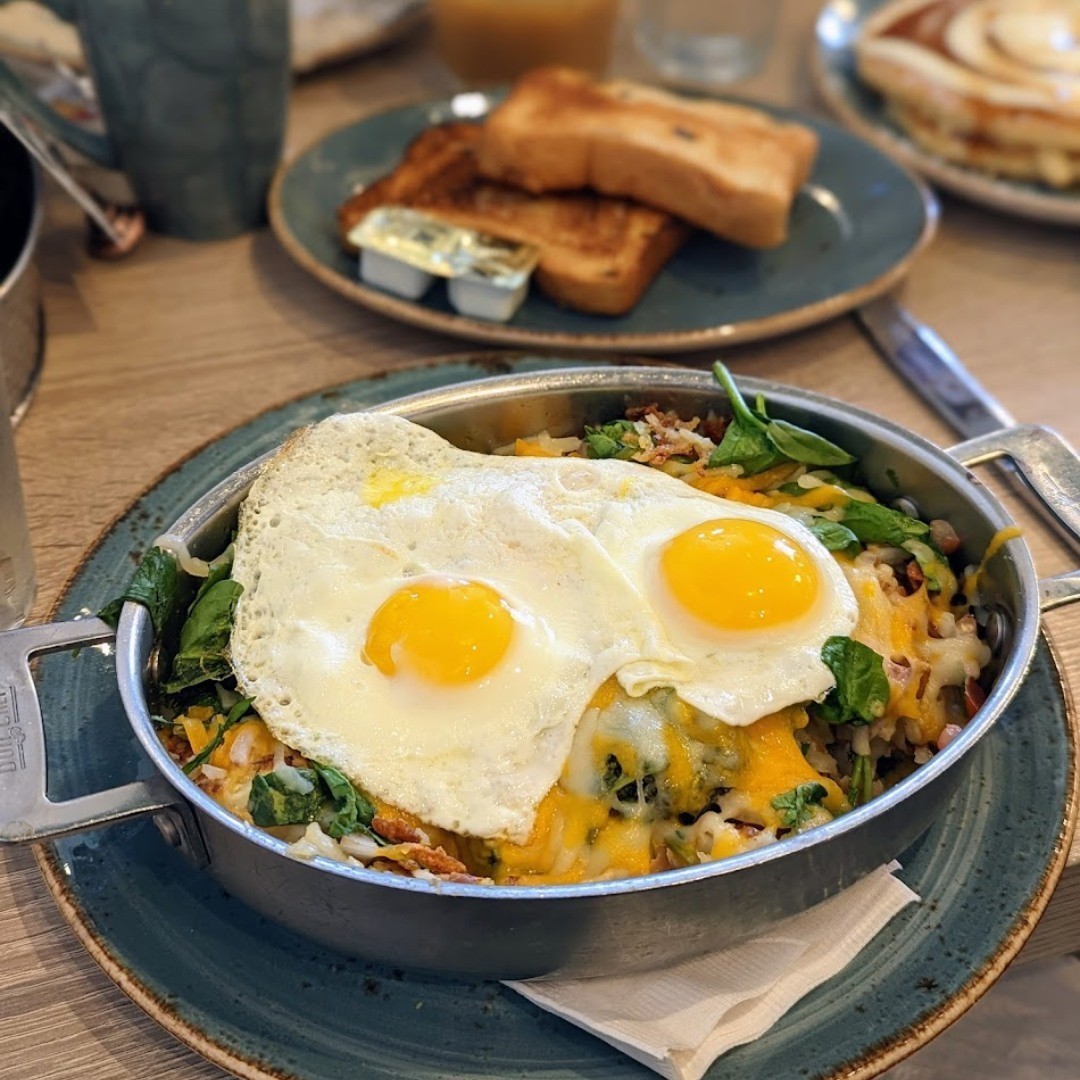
<point>150,358</point>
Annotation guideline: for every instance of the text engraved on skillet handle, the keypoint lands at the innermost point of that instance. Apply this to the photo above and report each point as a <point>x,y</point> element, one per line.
<point>27,815</point>
<point>1051,469</point>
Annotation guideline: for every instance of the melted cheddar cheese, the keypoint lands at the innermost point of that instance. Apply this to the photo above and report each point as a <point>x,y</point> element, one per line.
<point>574,838</point>
<point>768,761</point>
<point>580,837</point>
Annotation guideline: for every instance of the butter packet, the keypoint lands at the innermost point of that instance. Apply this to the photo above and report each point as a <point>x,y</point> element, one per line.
<point>403,251</point>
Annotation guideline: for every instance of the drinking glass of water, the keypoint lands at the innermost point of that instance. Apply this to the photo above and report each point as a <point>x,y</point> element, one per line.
<point>705,42</point>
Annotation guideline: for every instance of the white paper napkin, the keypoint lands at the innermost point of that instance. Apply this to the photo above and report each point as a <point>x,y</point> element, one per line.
<point>679,1021</point>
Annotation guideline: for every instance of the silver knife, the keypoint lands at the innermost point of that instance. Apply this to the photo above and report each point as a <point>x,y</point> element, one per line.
<point>935,372</point>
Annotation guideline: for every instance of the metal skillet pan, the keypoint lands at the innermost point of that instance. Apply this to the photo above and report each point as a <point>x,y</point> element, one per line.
<point>574,930</point>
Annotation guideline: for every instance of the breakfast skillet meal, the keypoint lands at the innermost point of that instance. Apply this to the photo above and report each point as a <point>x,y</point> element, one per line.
<point>654,643</point>
<point>604,181</point>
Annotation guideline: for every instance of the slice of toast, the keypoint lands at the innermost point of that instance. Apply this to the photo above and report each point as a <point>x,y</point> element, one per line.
<point>730,169</point>
<point>597,254</point>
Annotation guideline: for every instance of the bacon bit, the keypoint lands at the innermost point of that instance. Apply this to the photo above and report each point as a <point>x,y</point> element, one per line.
<point>434,859</point>
<point>913,573</point>
<point>394,830</point>
<point>467,879</point>
<point>639,412</point>
<point>176,745</point>
<point>974,696</point>
<point>388,866</point>
<point>948,733</point>
<point>944,537</point>
<point>713,427</point>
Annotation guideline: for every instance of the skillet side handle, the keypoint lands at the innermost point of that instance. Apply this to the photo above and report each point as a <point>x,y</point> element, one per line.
<point>27,815</point>
<point>1051,469</point>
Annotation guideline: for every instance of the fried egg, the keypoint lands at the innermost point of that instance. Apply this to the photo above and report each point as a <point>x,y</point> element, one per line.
<point>746,596</point>
<point>435,622</point>
<point>423,619</point>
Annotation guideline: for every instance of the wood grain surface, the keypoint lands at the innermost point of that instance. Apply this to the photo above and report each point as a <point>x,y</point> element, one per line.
<point>150,358</point>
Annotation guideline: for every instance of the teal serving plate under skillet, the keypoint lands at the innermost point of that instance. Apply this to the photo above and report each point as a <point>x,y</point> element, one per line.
<point>266,1002</point>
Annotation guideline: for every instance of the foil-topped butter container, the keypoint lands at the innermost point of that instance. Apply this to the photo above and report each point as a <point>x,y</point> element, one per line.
<point>403,251</point>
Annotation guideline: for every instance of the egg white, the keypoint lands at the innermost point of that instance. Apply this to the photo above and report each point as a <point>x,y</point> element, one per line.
<point>735,676</point>
<point>360,505</point>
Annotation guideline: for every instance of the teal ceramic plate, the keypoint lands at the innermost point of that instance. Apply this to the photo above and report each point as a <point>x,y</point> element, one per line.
<point>855,229</point>
<point>264,1002</point>
<point>862,110</point>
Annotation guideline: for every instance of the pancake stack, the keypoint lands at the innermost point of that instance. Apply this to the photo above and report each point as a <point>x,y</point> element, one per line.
<point>991,84</point>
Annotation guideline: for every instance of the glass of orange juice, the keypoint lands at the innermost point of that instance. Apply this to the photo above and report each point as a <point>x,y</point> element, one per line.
<point>495,41</point>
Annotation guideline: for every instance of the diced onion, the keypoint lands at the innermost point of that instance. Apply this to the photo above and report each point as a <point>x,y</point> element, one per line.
<point>212,772</point>
<point>293,780</point>
<point>243,744</point>
<point>359,846</point>
<point>189,563</point>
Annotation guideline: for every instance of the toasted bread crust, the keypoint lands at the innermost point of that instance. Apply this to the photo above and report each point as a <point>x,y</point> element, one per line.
<point>727,168</point>
<point>598,254</point>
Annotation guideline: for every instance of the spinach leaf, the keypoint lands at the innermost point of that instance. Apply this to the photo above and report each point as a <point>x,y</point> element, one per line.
<point>239,710</point>
<point>745,442</point>
<point>796,806</point>
<point>834,536</point>
<point>681,846</point>
<point>873,523</point>
<point>862,689</point>
<point>747,447</point>
<point>156,585</point>
<point>757,443</point>
<point>612,773</point>
<point>350,812</point>
<point>607,441</point>
<point>220,570</point>
<point>798,444</point>
<point>741,413</point>
<point>861,787</point>
<point>203,652</point>
<point>286,796</point>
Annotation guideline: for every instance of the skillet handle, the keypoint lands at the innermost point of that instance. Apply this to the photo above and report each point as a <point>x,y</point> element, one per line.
<point>27,814</point>
<point>1050,468</point>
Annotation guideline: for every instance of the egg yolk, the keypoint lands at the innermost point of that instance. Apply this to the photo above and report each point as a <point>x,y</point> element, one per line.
<point>735,574</point>
<point>445,632</point>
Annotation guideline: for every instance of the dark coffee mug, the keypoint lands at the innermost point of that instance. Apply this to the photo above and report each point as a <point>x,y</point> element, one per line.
<point>193,93</point>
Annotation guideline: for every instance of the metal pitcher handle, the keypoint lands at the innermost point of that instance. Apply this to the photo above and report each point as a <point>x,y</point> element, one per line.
<point>27,814</point>
<point>1049,465</point>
